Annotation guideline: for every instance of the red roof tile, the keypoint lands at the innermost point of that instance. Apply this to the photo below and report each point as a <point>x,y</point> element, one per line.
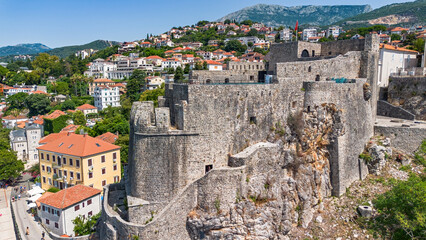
<point>86,107</point>
<point>69,196</point>
<point>108,137</point>
<point>55,114</point>
<point>78,145</point>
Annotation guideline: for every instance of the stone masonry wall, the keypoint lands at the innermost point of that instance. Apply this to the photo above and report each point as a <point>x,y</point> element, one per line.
<point>407,139</point>
<point>347,66</point>
<point>409,93</point>
<point>357,125</point>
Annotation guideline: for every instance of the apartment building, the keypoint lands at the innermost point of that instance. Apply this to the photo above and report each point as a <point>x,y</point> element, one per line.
<point>106,96</point>
<point>68,159</point>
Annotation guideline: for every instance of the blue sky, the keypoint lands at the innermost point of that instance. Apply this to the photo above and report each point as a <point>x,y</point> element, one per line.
<point>71,22</point>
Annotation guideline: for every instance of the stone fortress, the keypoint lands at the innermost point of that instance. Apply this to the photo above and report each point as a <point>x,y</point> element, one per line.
<point>281,135</point>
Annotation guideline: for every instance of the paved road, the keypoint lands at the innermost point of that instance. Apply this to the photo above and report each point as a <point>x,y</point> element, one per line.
<point>7,232</point>
<point>23,216</point>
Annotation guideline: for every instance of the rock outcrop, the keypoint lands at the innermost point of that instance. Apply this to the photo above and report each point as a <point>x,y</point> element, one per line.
<point>284,193</point>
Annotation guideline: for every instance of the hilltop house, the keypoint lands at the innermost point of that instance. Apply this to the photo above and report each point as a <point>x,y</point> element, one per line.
<point>57,210</point>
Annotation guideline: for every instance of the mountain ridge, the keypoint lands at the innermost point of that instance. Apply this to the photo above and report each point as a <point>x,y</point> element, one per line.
<point>276,15</point>
<point>23,49</point>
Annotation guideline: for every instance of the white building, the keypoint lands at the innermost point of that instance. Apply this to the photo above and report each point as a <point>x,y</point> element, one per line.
<point>12,121</point>
<point>171,63</point>
<point>214,66</point>
<point>308,33</point>
<point>87,108</point>
<point>57,210</point>
<point>25,142</point>
<point>153,82</point>
<point>286,34</point>
<point>395,60</point>
<point>107,96</point>
<point>334,31</point>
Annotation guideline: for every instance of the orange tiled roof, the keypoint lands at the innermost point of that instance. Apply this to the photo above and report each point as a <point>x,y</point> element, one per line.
<point>395,48</point>
<point>46,194</point>
<point>154,57</point>
<point>108,137</point>
<point>52,137</point>
<point>69,196</point>
<point>70,128</point>
<point>11,117</point>
<point>78,145</point>
<point>86,107</point>
<point>21,124</point>
<point>103,80</point>
<point>211,62</point>
<point>54,115</point>
<point>398,29</point>
<point>39,92</point>
<point>39,121</point>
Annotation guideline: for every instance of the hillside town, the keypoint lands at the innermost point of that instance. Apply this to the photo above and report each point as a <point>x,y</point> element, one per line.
<point>79,128</point>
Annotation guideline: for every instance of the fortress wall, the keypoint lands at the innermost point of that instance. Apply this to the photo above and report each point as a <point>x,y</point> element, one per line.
<point>251,75</point>
<point>407,139</point>
<point>347,66</point>
<point>357,126</point>
<point>341,47</point>
<point>221,186</point>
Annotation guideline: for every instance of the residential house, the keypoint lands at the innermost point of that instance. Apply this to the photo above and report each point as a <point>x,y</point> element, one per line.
<point>99,82</point>
<point>307,33</point>
<point>58,210</point>
<point>286,34</point>
<point>213,65</point>
<point>12,121</point>
<point>25,142</point>
<point>60,98</point>
<point>213,42</point>
<point>107,96</point>
<point>384,38</point>
<point>395,60</point>
<point>398,30</point>
<point>55,114</point>
<point>87,108</point>
<point>334,31</point>
<point>314,39</point>
<point>145,44</point>
<point>68,159</point>
<point>108,137</point>
<point>171,63</point>
<point>153,82</point>
<point>154,60</point>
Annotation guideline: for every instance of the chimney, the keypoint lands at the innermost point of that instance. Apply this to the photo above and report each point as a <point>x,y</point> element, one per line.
<point>81,131</point>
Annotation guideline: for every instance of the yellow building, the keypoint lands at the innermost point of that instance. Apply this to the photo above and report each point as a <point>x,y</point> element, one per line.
<point>68,159</point>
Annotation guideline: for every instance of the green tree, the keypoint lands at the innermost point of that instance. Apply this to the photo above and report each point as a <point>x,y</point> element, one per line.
<point>68,105</point>
<point>37,104</point>
<point>135,84</point>
<point>186,70</point>
<point>117,123</point>
<point>17,101</point>
<point>123,142</point>
<point>83,226</point>
<point>250,44</point>
<point>10,166</point>
<point>13,67</point>
<point>402,210</point>
<point>3,72</point>
<point>179,78</point>
<point>235,45</point>
<point>44,64</point>
<point>152,95</point>
<point>419,45</point>
<point>252,32</point>
<point>61,88</point>
<point>79,118</point>
<point>395,36</point>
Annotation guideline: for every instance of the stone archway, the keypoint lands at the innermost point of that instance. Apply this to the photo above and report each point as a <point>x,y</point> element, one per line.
<point>305,53</point>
